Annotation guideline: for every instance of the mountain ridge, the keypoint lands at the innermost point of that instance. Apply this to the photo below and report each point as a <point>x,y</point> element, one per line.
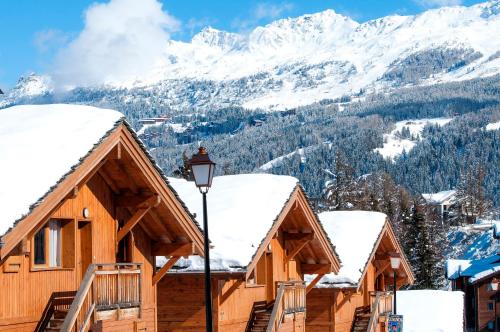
<point>298,61</point>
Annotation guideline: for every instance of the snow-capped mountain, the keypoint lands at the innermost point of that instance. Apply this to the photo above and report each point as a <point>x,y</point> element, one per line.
<point>297,61</point>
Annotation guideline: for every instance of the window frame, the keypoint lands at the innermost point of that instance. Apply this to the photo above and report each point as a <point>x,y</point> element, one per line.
<point>63,222</point>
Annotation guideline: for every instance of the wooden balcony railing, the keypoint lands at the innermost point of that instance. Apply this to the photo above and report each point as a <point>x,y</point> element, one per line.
<point>104,287</point>
<point>380,305</point>
<point>291,298</point>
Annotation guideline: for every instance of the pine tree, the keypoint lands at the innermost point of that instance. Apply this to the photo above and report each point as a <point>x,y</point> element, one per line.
<point>424,244</point>
<point>340,193</point>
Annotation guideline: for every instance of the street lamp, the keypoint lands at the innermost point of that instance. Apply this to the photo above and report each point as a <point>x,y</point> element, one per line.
<point>203,172</point>
<point>395,262</point>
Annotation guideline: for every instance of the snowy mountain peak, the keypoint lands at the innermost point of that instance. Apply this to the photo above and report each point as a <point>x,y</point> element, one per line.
<point>32,85</point>
<point>217,38</point>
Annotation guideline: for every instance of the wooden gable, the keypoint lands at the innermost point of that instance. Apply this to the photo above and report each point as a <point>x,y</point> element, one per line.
<point>379,258</point>
<point>304,239</point>
<point>137,185</point>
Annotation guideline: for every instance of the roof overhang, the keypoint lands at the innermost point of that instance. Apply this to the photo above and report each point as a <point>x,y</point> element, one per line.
<point>121,136</point>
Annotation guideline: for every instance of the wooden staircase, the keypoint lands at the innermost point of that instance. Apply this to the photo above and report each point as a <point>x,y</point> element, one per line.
<point>55,323</point>
<point>261,314</point>
<point>55,311</point>
<point>361,319</point>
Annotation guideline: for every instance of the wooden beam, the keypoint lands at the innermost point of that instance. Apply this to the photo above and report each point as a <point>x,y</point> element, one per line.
<point>160,273</point>
<point>382,269</point>
<point>315,268</point>
<point>111,184</point>
<point>314,282</point>
<point>166,233</point>
<point>297,236</point>
<point>129,179</point>
<point>136,217</point>
<point>172,249</point>
<point>135,200</point>
<point>298,248</point>
<point>117,152</point>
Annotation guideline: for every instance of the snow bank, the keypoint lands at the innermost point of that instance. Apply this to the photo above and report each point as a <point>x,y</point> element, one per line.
<point>394,145</point>
<point>431,310</point>
<point>241,210</point>
<point>39,144</point>
<point>343,227</point>
<point>493,126</point>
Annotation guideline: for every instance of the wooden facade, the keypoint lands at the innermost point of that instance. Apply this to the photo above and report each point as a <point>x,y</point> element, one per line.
<point>85,255</point>
<point>270,291</point>
<point>482,302</point>
<point>338,308</point>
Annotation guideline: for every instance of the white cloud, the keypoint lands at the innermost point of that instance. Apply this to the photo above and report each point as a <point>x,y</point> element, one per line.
<point>271,11</point>
<point>121,40</point>
<point>49,39</point>
<point>262,11</point>
<point>438,3</point>
<point>193,25</point>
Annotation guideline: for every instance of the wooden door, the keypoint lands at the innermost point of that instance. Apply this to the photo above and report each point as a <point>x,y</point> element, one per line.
<point>85,243</point>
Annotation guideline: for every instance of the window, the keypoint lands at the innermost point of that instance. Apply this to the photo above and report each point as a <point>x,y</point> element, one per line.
<point>49,243</point>
<point>54,243</point>
<point>40,247</point>
<point>491,306</point>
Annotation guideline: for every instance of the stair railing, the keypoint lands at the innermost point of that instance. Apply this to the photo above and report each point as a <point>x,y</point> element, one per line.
<point>104,287</point>
<point>380,305</point>
<point>291,298</point>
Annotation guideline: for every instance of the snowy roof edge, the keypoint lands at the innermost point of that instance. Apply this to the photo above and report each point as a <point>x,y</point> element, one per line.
<point>120,121</point>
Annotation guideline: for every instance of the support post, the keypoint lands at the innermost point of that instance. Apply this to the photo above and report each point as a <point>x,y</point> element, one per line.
<point>208,288</point>
<point>395,292</point>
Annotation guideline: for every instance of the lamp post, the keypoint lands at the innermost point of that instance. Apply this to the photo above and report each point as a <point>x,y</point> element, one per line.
<point>395,262</point>
<point>203,172</point>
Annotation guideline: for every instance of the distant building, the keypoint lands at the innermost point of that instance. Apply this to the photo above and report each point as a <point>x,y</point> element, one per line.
<point>478,279</point>
<point>441,202</point>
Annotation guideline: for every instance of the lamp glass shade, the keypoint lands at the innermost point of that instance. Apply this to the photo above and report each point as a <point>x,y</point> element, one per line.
<point>203,174</point>
<point>494,285</point>
<point>395,262</point>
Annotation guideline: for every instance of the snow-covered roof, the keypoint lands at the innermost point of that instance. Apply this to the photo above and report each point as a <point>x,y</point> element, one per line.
<point>474,269</point>
<point>431,310</point>
<point>39,145</point>
<point>440,197</point>
<point>241,211</point>
<point>354,234</point>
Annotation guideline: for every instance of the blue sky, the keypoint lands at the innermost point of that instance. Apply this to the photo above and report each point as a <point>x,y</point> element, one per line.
<point>33,32</point>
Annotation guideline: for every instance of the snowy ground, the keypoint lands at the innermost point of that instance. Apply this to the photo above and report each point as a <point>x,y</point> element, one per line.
<point>431,310</point>
<point>176,127</point>
<point>493,126</point>
<point>394,144</point>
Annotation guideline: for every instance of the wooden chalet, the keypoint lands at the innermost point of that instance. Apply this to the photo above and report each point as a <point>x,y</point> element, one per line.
<point>85,210</point>
<point>479,280</point>
<point>359,297</point>
<point>265,237</point>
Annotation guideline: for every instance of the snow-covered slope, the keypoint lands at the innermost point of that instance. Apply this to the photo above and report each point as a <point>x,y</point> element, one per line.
<point>297,61</point>
<point>406,135</point>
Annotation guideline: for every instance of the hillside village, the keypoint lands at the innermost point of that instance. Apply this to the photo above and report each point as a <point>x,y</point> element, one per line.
<point>117,244</point>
